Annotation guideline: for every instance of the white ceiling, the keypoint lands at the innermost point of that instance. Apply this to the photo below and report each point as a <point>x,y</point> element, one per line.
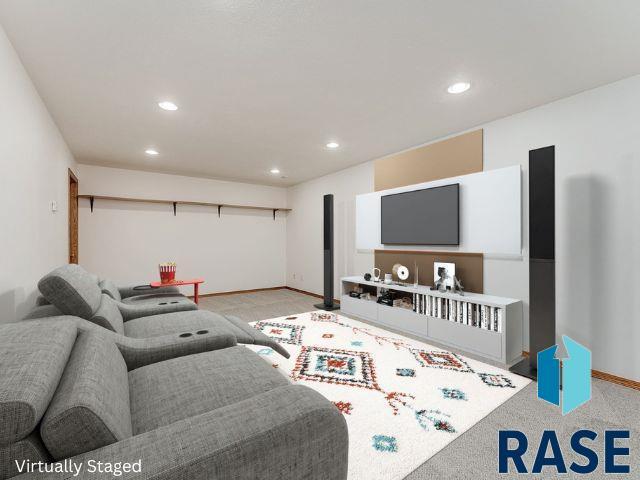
<point>268,83</point>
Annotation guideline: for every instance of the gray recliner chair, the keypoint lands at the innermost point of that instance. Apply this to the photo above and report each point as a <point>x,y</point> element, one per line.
<point>132,301</point>
<point>67,395</point>
<point>146,339</point>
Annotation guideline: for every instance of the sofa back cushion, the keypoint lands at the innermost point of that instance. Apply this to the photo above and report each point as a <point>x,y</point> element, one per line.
<point>110,288</point>
<point>108,315</point>
<point>72,290</point>
<point>33,356</point>
<point>91,408</point>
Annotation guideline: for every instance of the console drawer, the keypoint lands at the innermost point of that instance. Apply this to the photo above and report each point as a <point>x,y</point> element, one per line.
<point>403,319</point>
<point>367,309</point>
<point>465,337</point>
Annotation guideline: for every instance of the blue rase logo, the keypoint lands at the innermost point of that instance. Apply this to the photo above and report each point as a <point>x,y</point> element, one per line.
<point>576,376</point>
<point>575,372</point>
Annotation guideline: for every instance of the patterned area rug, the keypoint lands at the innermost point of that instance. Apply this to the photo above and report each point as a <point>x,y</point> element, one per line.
<point>403,400</point>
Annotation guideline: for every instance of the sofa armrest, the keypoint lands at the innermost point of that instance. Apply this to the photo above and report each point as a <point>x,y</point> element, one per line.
<point>138,352</point>
<point>288,433</point>
<point>131,312</point>
<point>133,290</point>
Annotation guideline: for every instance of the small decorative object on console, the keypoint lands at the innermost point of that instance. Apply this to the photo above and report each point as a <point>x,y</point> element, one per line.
<point>443,274</point>
<point>458,288</point>
<point>386,298</point>
<point>367,277</point>
<point>400,271</point>
<point>167,272</point>
<point>376,274</point>
<point>388,278</point>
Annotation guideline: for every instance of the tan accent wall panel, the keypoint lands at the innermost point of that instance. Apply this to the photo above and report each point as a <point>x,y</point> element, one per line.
<point>455,156</point>
<point>469,266</point>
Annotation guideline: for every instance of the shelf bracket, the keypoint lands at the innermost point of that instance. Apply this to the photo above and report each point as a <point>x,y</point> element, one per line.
<point>274,213</point>
<point>91,203</point>
<point>219,208</point>
<point>174,208</point>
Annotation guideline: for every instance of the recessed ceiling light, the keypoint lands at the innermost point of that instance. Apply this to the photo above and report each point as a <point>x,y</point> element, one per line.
<point>168,106</point>
<point>151,151</point>
<point>333,145</point>
<point>275,171</point>
<point>459,87</point>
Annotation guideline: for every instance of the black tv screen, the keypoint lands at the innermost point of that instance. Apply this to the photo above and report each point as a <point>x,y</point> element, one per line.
<point>421,217</point>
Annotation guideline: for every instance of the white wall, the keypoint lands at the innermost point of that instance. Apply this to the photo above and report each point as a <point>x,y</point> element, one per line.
<point>125,241</point>
<point>34,160</point>
<point>597,138</point>
<point>490,218</point>
<point>304,228</point>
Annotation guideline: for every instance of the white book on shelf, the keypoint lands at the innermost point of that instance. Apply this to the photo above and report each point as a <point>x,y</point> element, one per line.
<point>500,320</point>
<point>491,317</point>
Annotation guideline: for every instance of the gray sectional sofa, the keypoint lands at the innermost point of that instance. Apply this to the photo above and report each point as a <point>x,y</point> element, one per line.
<point>72,291</point>
<point>68,396</point>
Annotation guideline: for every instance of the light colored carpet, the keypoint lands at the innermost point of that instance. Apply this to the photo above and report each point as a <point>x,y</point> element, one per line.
<point>474,455</point>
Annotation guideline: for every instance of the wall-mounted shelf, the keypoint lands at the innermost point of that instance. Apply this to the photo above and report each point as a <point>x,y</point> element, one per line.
<point>175,203</point>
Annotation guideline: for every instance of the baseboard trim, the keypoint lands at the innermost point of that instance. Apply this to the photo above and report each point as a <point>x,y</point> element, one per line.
<point>253,290</point>
<point>234,292</point>
<point>608,377</point>
<point>309,293</point>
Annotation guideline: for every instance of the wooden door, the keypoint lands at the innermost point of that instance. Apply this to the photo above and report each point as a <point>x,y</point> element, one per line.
<point>73,218</point>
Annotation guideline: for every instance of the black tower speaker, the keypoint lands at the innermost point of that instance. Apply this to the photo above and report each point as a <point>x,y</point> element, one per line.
<point>328,255</point>
<point>542,273</point>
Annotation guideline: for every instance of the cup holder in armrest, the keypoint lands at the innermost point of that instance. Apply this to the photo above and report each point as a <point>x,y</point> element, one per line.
<point>162,303</point>
<point>174,302</point>
<point>202,332</point>
<point>185,335</point>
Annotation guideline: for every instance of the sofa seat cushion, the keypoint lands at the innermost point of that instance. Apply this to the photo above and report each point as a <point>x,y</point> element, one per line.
<point>176,323</point>
<point>72,289</point>
<point>183,387</point>
<point>33,356</point>
<point>90,409</point>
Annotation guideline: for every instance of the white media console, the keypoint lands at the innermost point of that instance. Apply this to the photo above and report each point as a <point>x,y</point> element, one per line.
<point>485,325</point>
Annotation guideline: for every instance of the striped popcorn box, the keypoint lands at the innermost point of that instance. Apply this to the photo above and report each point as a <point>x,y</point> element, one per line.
<point>167,272</point>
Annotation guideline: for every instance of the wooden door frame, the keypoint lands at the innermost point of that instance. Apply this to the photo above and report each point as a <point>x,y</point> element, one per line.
<point>73,215</point>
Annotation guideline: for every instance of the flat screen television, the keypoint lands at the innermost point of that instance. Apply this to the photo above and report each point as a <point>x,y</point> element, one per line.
<point>422,217</point>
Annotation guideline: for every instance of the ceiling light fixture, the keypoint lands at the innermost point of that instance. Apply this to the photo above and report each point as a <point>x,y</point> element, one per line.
<point>459,87</point>
<point>333,145</point>
<point>151,151</point>
<point>275,171</point>
<point>168,106</point>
